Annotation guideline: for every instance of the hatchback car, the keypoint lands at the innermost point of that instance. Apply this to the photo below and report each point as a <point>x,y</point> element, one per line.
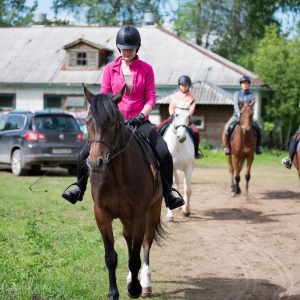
<point>33,140</point>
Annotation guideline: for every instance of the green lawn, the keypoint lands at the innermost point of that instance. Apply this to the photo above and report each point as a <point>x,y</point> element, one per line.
<point>51,249</point>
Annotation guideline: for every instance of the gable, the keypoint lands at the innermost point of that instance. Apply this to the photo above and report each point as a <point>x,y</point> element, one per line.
<point>86,55</point>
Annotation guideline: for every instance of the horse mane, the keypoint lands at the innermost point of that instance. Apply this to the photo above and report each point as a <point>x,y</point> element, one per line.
<point>103,109</point>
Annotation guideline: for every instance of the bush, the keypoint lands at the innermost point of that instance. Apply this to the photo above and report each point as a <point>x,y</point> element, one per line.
<point>205,144</point>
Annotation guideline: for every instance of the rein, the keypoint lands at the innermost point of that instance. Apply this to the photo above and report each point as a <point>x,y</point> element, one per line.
<point>242,125</point>
<point>181,125</point>
<point>111,155</point>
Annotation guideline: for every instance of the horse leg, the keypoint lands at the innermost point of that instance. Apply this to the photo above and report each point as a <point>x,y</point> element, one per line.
<point>238,167</point>
<point>231,171</point>
<point>104,223</point>
<point>153,217</point>
<point>187,188</point>
<point>134,288</point>
<point>169,216</point>
<point>248,173</point>
<point>237,181</point>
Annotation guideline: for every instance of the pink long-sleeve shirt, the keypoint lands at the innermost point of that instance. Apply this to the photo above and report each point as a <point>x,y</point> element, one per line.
<point>143,86</point>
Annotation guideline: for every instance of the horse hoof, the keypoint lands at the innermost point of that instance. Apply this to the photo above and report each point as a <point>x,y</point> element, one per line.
<point>147,292</point>
<point>186,214</point>
<point>169,219</point>
<point>233,194</point>
<point>134,293</point>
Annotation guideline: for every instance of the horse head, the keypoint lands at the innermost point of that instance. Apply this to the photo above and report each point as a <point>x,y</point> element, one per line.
<point>181,119</point>
<point>104,122</point>
<point>246,116</point>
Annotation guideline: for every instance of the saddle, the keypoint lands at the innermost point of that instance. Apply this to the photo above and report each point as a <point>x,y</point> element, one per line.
<point>148,152</point>
<point>167,125</point>
<point>164,128</point>
<point>232,129</point>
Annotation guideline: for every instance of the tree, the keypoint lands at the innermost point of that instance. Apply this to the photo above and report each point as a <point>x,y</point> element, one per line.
<point>231,28</point>
<point>276,61</point>
<point>108,12</point>
<point>16,13</point>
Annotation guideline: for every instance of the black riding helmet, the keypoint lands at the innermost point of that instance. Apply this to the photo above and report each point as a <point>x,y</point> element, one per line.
<point>184,80</point>
<point>128,37</point>
<point>245,78</point>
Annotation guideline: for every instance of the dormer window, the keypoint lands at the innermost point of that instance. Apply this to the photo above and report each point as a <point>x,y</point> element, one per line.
<point>85,55</point>
<point>81,59</point>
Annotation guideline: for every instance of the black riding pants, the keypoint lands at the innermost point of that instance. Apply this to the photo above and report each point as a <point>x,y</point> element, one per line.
<point>162,153</point>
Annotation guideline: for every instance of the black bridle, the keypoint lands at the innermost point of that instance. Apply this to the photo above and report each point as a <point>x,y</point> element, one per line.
<point>181,125</point>
<point>241,123</point>
<point>112,147</point>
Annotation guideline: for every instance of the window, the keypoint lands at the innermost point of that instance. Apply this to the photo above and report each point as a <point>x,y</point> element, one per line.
<point>81,59</point>
<point>15,122</point>
<point>199,121</point>
<point>7,101</point>
<point>75,102</point>
<point>53,102</point>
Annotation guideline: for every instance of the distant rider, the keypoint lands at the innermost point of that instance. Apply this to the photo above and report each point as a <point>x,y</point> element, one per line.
<point>244,95</point>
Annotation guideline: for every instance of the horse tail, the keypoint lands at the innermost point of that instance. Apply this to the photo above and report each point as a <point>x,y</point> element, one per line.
<point>159,232</point>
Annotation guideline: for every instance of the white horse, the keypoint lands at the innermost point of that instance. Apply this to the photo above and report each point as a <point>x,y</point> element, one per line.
<point>182,149</point>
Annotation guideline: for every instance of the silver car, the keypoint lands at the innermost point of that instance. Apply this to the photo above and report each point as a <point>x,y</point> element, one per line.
<point>33,140</point>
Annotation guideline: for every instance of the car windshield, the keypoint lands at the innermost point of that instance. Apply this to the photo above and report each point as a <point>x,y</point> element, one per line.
<point>65,123</point>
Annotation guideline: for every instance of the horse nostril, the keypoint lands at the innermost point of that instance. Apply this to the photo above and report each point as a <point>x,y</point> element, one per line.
<point>100,162</point>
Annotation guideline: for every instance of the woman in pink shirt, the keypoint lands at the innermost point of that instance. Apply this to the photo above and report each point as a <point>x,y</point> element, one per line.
<point>184,95</point>
<point>138,101</point>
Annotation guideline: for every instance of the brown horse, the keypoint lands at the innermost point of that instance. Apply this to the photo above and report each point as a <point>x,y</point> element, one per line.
<point>123,187</point>
<point>242,147</point>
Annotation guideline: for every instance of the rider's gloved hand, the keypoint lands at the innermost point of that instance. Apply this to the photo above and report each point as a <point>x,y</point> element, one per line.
<point>137,120</point>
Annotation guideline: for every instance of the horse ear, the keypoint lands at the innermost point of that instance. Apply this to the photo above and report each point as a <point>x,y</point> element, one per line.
<point>118,96</point>
<point>89,96</point>
<point>241,103</point>
<point>252,103</point>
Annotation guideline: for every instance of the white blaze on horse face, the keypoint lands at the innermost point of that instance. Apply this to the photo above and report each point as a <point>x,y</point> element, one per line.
<point>181,122</point>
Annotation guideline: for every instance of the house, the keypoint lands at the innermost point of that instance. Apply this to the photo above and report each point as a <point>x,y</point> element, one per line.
<point>44,67</point>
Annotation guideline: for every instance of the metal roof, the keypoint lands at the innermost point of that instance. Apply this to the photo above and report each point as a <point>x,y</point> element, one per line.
<point>205,94</point>
<point>35,55</point>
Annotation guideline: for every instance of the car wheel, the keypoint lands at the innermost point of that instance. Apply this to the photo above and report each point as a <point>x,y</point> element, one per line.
<point>72,171</point>
<point>16,164</point>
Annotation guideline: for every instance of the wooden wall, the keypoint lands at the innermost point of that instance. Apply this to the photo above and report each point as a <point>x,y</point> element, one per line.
<point>215,116</point>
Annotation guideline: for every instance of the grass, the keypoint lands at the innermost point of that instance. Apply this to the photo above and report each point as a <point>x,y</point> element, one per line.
<point>51,249</point>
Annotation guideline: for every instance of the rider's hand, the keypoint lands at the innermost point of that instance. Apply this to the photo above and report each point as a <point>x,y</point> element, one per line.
<point>137,120</point>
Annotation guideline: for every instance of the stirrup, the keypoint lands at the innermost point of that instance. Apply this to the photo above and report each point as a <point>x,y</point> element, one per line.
<point>287,162</point>
<point>172,205</point>
<point>199,155</point>
<point>227,150</point>
<point>259,150</point>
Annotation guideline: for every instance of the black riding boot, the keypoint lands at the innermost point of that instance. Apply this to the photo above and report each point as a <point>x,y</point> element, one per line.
<point>258,138</point>
<point>82,178</point>
<point>171,201</point>
<point>227,147</point>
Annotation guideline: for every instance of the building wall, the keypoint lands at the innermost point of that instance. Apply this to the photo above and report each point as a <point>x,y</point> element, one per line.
<point>216,117</point>
<point>32,97</point>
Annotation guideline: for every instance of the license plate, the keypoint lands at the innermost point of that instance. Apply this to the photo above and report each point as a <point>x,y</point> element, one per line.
<point>61,151</point>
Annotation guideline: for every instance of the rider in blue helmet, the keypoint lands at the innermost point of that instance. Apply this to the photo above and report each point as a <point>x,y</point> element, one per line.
<point>244,95</point>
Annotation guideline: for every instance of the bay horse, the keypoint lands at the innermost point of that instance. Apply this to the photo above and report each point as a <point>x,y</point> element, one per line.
<point>181,146</point>
<point>242,145</point>
<point>123,187</point>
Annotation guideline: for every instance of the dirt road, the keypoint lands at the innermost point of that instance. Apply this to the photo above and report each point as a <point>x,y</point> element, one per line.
<point>233,248</point>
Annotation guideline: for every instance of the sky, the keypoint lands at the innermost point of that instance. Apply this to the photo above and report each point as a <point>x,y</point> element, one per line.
<point>44,6</point>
